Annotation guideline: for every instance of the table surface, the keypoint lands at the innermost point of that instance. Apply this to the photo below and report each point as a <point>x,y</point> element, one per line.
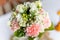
<point>49,5</point>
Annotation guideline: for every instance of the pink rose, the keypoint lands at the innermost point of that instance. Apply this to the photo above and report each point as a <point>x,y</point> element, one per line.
<point>33,30</point>
<point>14,25</point>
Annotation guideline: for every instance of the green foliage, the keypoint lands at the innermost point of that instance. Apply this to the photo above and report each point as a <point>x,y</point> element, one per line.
<point>50,28</point>
<point>40,34</point>
<point>30,38</point>
<point>19,33</point>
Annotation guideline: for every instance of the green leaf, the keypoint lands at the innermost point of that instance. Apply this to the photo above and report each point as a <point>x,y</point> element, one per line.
<point>50,28</point>
<point>30,38</point>
<point>40,34</point>
<point>19,33</point>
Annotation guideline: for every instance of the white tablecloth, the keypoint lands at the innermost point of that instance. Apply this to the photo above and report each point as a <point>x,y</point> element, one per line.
<point>52,6</point>
<point>4,28</point>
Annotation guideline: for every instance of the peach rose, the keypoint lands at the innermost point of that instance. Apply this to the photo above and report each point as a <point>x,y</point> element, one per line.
<point>33,30</point>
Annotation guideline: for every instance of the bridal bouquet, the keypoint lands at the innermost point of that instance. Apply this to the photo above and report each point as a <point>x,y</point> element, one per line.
<point>30,20</point>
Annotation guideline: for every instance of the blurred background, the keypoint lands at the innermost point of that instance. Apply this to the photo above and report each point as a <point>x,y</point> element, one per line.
<point>6,7</point>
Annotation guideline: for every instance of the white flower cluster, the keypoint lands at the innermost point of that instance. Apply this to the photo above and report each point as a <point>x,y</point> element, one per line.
<point>34,6</point>
<point>20,8</point>
<point>23,7</point>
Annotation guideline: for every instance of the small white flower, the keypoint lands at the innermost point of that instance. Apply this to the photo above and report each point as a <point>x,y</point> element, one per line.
<point>19,18</point>
<point>33,6</point>
<point>21,21</point>
<point>23,24</point>
<point>27,4</point>
<point>39,18</point>
<point>19,8</point>
<point>38,3</point>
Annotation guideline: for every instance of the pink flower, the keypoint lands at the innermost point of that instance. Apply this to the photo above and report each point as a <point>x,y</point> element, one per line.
<point>33,30</point>
<point>47,22</point>
<point>14,25</point>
